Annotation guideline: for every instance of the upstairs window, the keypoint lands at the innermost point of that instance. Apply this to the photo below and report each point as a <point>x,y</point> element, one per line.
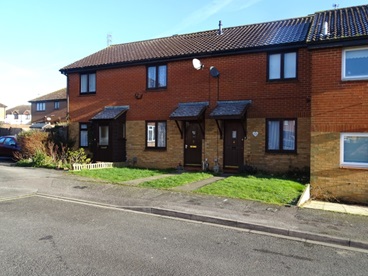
<point>355,64</point>
<point>88,83</point>
<point>56,105</point>
<point>40,106</point>
<point>156,77</point>
<point>281,135</point>
<point>156,135</point>
<point>282,66</point>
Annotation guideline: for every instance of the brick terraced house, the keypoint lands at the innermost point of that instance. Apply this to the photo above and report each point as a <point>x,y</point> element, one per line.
<point>50,108</point>
<point>264,95</point>
<point>338,46</point>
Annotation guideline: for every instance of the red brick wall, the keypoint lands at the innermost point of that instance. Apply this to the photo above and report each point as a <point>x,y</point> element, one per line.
<point>337,106</point>
<point>242,77</point>
<point>56,115</point>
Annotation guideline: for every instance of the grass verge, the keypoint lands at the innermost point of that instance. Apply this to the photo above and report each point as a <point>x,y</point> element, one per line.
<point>116,175</point>
<point>175,180</point>
<point>260,188</point>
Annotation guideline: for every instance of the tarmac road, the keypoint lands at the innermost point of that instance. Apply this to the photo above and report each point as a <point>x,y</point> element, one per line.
<point>308,224</point>
<point>40,235</point>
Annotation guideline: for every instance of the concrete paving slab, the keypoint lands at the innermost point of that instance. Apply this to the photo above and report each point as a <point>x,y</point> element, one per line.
<point>337,207</point>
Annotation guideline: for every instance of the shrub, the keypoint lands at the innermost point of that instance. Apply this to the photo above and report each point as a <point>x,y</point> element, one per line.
<point>31,142</point>
<point>42,149</point>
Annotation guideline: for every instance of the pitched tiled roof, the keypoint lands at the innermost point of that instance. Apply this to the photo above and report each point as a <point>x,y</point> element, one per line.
<point>189,110</point>
<point>2,105</point>
<point>20,109</point>
<point>230,109</point>
<point>111,112</point>
<point>207,42</point>
<point>57,95</point>
<point>346,23</point>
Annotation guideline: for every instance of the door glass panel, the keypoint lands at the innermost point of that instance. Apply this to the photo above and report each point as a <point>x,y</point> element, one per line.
<point>104,135</point>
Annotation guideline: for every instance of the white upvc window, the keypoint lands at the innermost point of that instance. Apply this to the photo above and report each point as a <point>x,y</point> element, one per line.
<point>282,66</point>
<point>354,150</point>
<point>355,64</point>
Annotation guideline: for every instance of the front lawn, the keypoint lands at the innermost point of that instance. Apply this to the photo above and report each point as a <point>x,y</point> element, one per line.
<point>175,180</point>
<point>116,175</point>
<point>260,188</point>
<point>264,188</point>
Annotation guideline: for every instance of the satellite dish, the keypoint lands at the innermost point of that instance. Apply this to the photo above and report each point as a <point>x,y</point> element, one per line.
<point>214,72</point>
<point>197,64</point>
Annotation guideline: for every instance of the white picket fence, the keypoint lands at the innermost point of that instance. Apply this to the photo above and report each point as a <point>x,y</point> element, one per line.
<point>93,166</point>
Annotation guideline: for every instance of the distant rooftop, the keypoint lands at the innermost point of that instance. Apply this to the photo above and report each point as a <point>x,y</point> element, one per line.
<point>57,95</point>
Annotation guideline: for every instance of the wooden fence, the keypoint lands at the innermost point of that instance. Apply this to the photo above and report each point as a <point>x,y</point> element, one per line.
<point>93,166</point>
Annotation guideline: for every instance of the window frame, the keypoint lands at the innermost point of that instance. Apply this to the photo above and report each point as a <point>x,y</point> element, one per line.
<point>282,65</point>
<point>157,77</point>
<point>281,136</point>
<point>343,65</point>
<point>155,135</point>
<point>40,106</point>
<point>86,129</point>
<point>56,105</point>
<point>88,89</point>
<point>343,163</point>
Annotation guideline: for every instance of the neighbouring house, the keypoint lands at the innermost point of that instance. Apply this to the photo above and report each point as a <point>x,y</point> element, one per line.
<point>338,46</point>
<point>268,96</point>
<point>2,112</point>
<point>19,115</point>
<point>49,109</point>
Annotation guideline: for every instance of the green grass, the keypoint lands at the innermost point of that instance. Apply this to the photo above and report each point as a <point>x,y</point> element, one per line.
<point>116,175</point>
<point>274,190</point>
<point>259,188</point>
<point>175,180</point>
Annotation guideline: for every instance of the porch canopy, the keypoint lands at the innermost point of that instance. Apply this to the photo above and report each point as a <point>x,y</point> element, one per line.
<point>193,111</point>
<point>111,112</point>
<point>230,110</point>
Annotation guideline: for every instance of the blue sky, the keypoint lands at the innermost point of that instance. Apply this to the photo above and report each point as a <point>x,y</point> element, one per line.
<point>38,37</point>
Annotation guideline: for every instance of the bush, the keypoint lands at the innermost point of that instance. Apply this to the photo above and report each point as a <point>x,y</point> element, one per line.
<point>31,143</point>
<point>42,149</point>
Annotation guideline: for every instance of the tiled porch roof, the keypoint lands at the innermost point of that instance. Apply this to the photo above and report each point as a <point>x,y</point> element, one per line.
<point>230,109</point>
<point>111,112</point>
<point>189,111</point>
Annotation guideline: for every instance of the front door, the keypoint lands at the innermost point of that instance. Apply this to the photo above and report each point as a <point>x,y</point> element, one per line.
<point>103,147</point>
<point>193,145</point>
<point>110,143</point>
<point>233,145</point>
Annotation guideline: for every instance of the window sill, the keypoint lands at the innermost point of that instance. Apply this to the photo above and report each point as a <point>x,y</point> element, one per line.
<point>354,167</point>
<point>155,149</point>
<point>282,81</point>
<point>281,152</point>
<point>87,94</point>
